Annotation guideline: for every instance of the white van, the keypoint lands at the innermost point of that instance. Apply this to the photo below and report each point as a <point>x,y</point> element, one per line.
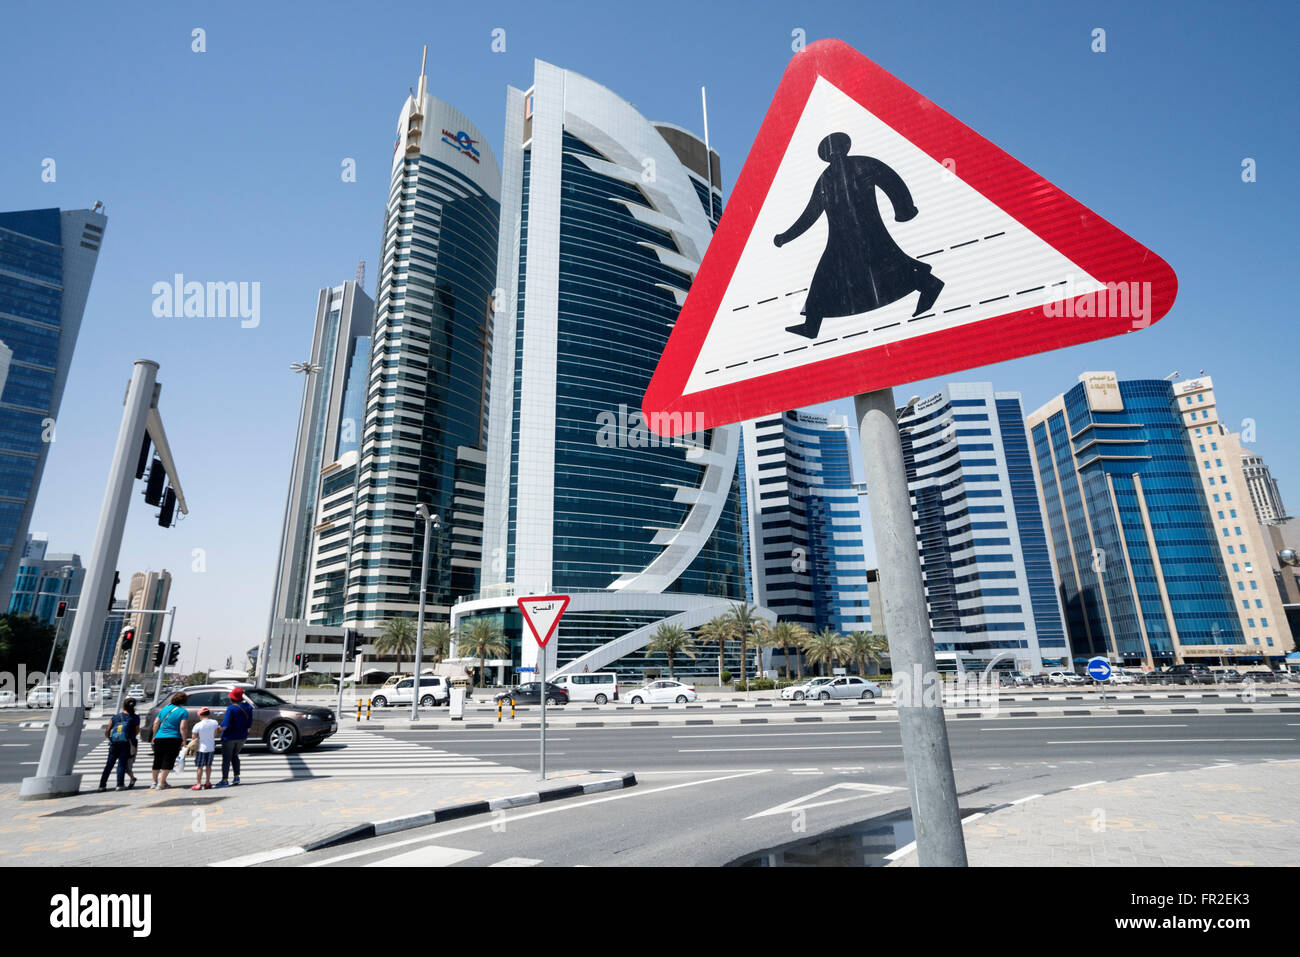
<point>600,686</point>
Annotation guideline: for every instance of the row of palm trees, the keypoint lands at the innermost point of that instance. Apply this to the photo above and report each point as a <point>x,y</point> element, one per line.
<point>478,638</point>
<point>481,638</point>
<point>743,624</point>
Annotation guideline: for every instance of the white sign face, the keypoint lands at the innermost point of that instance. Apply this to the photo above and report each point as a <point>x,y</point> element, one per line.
<point>543,614</point>
<point>989,264</point>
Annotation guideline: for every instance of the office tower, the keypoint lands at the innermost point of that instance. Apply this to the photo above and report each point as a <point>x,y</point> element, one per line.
<point>1133,542</point>
<point>47,259</point>
<point>425,410</point>
<point>1265,496</point>
<point>329,424</point>
<point>44,580</point>
<point>1237,494</point>
<point>114,621</point>
<point>804,522</point>
<point>148,591</point>
<point>605,217</point>
<point>988,576</point>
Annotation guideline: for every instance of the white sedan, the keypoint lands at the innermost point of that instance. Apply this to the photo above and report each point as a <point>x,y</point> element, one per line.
<point>660,692</point>
<point>846,686</point>
<point>806,690</point>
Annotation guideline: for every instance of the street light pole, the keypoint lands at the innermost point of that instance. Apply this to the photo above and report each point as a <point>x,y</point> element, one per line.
<point>431,524</point>
<point>307,370</point>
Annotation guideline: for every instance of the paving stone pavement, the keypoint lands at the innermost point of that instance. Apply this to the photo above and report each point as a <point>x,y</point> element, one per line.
<point>1225,815</point>
<point>183,827</point>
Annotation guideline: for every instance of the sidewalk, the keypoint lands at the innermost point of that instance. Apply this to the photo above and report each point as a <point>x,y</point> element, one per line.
<point>1225,815</point>
<point>259,821</point>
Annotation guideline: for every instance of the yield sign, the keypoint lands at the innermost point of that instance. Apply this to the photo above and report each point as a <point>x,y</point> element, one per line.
<point>542,614</point>
<point>871,240</point>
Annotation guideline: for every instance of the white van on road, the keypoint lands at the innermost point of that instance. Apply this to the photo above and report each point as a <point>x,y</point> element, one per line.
<point>598,686</point>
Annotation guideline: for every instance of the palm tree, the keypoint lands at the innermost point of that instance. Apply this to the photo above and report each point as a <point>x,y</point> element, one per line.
<point>716,631</point>
<point>437,640</point>
<point>745,626</point>
<point>867,648</point>
<point>761,638</point>
<point>825,647</point>
<point>397,639</point>
<point>480,638</point>
<point>785,634</point>
<point>671,640</point>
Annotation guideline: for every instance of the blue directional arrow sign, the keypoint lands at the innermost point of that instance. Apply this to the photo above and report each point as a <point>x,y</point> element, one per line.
<point>1099,669</point>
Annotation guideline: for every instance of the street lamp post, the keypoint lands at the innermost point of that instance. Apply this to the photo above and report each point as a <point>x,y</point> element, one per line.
<point>431,525</point>
<point>307,370</point>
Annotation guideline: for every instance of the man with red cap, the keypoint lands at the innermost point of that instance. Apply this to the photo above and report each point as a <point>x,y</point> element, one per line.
<point>234,734</point>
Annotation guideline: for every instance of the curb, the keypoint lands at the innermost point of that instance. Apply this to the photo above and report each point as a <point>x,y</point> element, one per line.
<point>728,720</point>
<point>455,812</point>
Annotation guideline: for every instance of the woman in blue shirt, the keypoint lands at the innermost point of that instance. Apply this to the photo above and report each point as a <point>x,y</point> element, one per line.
<point>170,728</point>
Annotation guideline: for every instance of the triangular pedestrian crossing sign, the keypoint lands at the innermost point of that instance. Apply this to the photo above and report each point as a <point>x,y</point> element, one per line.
<point>871,240</point>
<point>542,613</point>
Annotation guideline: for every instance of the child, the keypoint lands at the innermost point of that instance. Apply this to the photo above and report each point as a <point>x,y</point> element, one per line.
<point>206,733</point>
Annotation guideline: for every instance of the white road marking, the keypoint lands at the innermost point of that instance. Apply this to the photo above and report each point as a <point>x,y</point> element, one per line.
<point>1162,740</point>
<point>517,862</point>
<point>773,734</point>
<point>1080,787</point>
<point>261,857</point>
<point>1028,797</point>
<point>432,856</point>
<point>793,747</point>
<point>808,801</point>
<point>1070,727</point>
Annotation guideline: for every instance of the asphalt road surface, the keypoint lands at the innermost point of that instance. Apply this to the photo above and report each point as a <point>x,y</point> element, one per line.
<point>712,795</point>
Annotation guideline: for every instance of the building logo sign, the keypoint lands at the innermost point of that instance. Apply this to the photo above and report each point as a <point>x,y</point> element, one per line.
<point>462,142</point>
<point>1102,391</point>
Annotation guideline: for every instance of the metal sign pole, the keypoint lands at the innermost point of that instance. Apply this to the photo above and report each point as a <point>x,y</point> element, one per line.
<point>926,757</point>
<point>541,670</point>
<point>167,650</point>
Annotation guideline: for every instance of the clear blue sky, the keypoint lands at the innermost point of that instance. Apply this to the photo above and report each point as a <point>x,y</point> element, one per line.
<point>225,165</point>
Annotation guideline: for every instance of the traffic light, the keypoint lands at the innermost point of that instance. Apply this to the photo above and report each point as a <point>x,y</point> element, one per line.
<point>350,642</point>
<point>158,651</point>
<point>168,508</point>
<point>153,490</point>
<point>61,610</point>
<point>128,638</point>
<point>297,661</point>
<point>174,652</point>
<point>144,457</point>
<point>112,595</point>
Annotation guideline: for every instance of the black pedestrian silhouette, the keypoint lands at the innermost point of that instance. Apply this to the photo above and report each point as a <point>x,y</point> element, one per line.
<point>862,268</point>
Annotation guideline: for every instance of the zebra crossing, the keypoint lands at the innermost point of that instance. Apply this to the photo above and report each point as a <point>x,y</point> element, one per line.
<point>346,754</point>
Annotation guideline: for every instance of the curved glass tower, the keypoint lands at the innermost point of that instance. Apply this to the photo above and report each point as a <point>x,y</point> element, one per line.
<point>425,406</point>
<point>605,218</point>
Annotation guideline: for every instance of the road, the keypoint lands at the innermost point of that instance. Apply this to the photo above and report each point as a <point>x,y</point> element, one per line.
<point>714,795</point>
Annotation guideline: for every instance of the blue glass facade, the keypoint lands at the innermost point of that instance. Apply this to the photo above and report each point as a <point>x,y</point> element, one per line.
<point>1141,578</point>
<point>988,574</point>
<point>39,324</point>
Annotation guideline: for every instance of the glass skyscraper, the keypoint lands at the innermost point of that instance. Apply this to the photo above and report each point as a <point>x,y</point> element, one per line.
<point>329,425</point>
<point>605,218</point>
<point>988,575</point>
<point>1132,538</point>
<point>805,523</point>
<point>47,260</point>
<point>425,408</point>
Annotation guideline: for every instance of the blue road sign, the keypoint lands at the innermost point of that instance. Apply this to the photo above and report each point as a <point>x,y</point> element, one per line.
<point>1099,669</point>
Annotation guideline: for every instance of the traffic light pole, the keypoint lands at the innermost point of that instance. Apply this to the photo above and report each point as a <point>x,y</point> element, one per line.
<point>932,785</point>
<point>54,776</point>
<point>162,661</point>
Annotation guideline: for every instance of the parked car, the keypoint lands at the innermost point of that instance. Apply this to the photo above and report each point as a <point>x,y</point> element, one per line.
<point>1119,677</point>
<point>434,690</point>
<point>1190,674</point>
<point>662,692</point>
<point>1064,678</point>
<point>7,699</point>
<point>806,690</point>
<point>530,693</point>
<point>598,686</point>
<point>281,726</point>
<point>1017,680</point>
<point>42,696</point>
<point>847,686</point>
